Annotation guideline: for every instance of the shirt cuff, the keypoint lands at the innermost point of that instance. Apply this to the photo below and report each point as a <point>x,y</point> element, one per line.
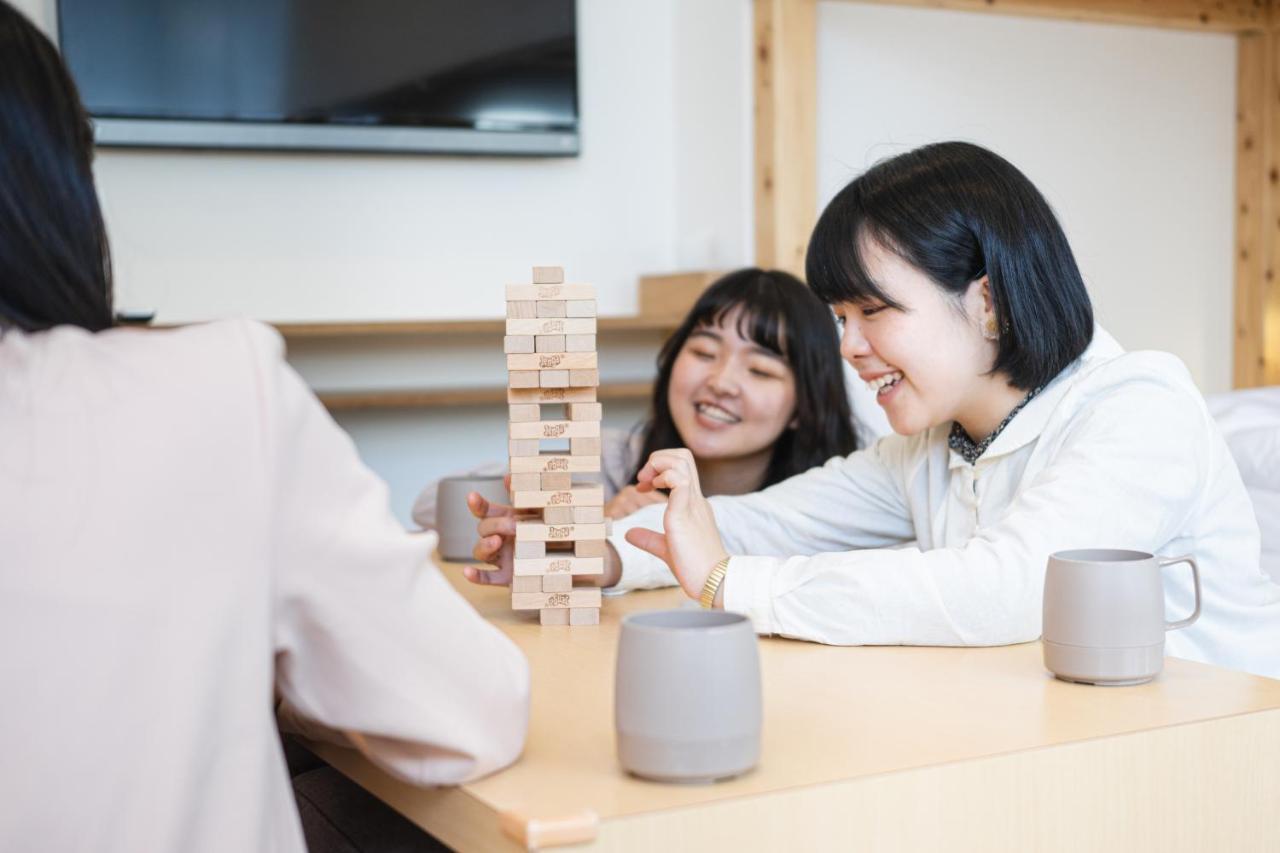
<point>747,590</point>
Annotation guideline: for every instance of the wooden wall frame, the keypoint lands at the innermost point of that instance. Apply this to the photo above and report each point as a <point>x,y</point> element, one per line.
<point>786,137</point>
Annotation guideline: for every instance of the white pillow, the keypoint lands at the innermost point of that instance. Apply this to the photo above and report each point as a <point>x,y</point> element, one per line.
<point>1250,422</point>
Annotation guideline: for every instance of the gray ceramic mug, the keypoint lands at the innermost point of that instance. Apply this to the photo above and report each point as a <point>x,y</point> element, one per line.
<point>454,521</point>
<point>687,703</point>
<point>1104,615</point>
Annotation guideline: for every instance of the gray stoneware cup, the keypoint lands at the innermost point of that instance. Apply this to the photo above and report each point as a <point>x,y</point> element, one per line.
<point>687,703</point>
<point>1104,615</point>
<point>454,521</point>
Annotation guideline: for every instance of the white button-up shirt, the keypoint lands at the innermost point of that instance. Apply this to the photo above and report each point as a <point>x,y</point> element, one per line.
<point>907,543</point>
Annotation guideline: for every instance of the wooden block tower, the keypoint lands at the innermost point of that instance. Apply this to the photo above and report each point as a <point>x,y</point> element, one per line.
<point>551,389</point>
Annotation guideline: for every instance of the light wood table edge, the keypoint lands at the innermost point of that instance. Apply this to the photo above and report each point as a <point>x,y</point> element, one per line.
<point>1160,789</point>
<point>1209,784</point>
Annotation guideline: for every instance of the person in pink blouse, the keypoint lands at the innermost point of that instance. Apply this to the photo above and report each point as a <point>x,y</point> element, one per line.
<point>185,534</point>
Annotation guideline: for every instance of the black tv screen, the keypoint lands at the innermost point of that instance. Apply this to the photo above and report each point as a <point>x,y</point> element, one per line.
<point>472,76</point>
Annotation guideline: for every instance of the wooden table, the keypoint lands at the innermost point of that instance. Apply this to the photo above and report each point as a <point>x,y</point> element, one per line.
<point>884,748</point>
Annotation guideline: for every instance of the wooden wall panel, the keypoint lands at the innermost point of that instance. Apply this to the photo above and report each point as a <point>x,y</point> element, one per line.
<point>786,140</point>
<point>1210,15</point>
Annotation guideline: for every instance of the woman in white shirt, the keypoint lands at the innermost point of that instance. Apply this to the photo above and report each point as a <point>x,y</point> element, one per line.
<point>183,533</point>
<point>1021,431</point>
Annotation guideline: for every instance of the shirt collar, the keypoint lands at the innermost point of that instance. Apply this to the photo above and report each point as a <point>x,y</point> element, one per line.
<point>1031,420</point>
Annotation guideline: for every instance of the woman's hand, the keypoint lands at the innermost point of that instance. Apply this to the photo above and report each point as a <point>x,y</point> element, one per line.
<point>691,545</point>
<point>496,546</point>
<point>631,499</point>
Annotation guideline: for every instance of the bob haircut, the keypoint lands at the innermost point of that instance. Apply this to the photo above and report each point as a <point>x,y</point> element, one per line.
<point>781,314</point>
<point>957,211</point>
<point>55,267</point>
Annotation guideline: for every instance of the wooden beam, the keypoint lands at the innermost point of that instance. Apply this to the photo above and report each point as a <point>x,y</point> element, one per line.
<point>1257,298</point>
<point>786,191</point>
<point>1232,16</point>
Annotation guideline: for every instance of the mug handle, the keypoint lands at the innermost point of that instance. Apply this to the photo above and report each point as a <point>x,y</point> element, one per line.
<point>1195,577</point>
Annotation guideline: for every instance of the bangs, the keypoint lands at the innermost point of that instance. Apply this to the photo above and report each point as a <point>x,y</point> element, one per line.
<point>761,313</point>
<point>834,264</point>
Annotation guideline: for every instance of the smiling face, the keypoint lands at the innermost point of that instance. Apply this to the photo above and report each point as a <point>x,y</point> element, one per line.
<point>927,360</point>
<point>729,397</point>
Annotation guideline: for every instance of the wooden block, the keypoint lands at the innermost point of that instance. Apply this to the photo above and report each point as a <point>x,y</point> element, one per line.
<point>555,481</point>
<point>554,616</point>
<point>548,275</point>
<point>553,326</point>
<point>551,395</point>
<point>533,531</point>
<point>522,447</point>
<point>583,447</point>
<point>524,378</point>
<point>586,596</point>
<point>553,378</point>
<point>588,548</point>
<point>551,308</point>
<point>579,343</point>
<point>525,412</point>
<point>549,343</point>
<point>577,308</point>
<point>557,515</point>
<point>554,429</point>
<point>519,343</point>
<point>582,411</point>
<point>577,496</point>
<point>525,309</point>
<point>552,361</point>
<point>550,292</point>
<point>578,378</point>
<point>533,550</point>
<point>672,295</point>
<point>554,583</point>
<point>531,583</point>
<point>555,564</point>
<point>584,615</point>
<point>526,482</point>
<point>588,515</point>
<point>541,832</point>
<point>553,461</point>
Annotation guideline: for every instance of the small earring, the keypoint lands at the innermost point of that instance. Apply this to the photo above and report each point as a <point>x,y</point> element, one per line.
<point>991,331</point>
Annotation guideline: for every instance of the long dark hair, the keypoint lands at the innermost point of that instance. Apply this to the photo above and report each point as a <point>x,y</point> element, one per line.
<point>55,267</point>
<point>782,315</point>
<point>957,211</point>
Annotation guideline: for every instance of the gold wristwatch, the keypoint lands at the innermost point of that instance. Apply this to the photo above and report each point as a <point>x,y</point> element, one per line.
<point>709,589</point>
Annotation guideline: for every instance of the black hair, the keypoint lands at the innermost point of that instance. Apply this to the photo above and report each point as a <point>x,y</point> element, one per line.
<point>781,314</point>
<point>55,266</point>
<point>957,211</point>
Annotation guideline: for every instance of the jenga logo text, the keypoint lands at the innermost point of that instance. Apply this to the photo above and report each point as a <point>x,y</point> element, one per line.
<point>550,360</point>
<point>552,326</point>
<point>557,566</point>
<point>560,498</point>
<point>553,393</point>
<point>549,291</point>
<point>558,463</point>
<point>553,430</point>
<point>558,599</point>
<point>559,532</point>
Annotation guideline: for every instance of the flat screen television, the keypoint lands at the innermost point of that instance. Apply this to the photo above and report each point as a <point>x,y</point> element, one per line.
<point>447,76</point>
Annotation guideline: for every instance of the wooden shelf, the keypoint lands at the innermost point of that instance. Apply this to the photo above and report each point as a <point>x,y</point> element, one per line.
<point>415,399</point>
<point>316,331</point>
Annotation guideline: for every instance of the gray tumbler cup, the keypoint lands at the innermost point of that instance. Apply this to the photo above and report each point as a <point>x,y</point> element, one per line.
<point>687,702</point>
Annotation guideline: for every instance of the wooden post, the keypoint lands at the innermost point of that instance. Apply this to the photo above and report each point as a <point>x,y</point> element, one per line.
<point>1257,298</point>
<point>786,190</point>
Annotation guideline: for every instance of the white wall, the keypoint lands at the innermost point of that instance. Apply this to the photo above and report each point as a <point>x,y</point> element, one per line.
<point>1129,132</point>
